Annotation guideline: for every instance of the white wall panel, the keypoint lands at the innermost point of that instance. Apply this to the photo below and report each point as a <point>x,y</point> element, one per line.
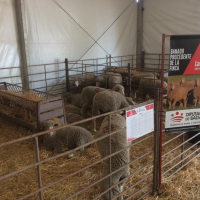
<point>9,46</point>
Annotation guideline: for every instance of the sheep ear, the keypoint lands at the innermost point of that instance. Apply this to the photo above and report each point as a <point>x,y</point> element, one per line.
<point>77,83</point>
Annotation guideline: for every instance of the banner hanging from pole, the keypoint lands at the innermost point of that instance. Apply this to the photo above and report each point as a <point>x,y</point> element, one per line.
<point>183,91</point>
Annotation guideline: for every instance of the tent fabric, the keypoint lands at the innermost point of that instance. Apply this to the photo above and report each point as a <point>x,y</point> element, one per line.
<point>59,29</point>
<point>9,43</point>
<point>169,17</point>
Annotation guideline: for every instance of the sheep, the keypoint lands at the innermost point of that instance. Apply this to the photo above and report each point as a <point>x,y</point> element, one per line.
<point>147,86</point>
<point>119,88</point>
<point>89,92</point>
<point>87,95</point>
<point>85,80</point>
<point>130,100</point>
<point>179,93</point>
<point>118,142</point>
<point>135,79</point>
<point>114,80</point>
<point>70,137</point>
<point>69,108</point>
<point>107,101</point>
<point>71,118</point>
<point>103,79</point>
<point>74,99</point>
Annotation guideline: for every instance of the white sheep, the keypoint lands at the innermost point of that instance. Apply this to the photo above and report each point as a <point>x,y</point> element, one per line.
<point>74,99</point>
<point>88,93</point>
<point>69,108</point>
<point>71,118</point>
<point>118,142</point>
<point>103,79</point>
<point>114,80</point>
<point>70,137</point>
<point>107,101</point>
<point>148,85</point>
<point>85,80</point>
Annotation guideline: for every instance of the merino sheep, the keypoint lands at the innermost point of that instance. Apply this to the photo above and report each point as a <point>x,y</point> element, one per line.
<point>85,80</point>
<point>107,101</point>
<point>103,79</point>
<point>135,79</point>
<point>71,118</point>
<point>70,137</point>
<point>147,86</point>
<point>119,88</point>
<point>69,108</point>
<point>179,93</point>
<point>115,79</point>
<point>87,96</point>
<point>118,142</point>
<point>74,99</point>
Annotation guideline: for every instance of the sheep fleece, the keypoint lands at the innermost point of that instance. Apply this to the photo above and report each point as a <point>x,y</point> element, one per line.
<point>118,141</point>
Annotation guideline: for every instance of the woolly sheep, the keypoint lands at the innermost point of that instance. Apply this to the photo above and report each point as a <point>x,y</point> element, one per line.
<point>135,79</point>
<point>70,137</point>
<point>146,86</point>
<point>85,80</point>
<point>71,118</point>
<point>118,142</point>
<point>74,99</point>
<point>87,95</point>
<point>107,101</point>
<point>69,108</point>
<point>103,79</point>
<point>114,80</point>
<point>119,88</point>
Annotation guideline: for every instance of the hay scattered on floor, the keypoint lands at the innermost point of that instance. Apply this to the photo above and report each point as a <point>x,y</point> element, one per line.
<point>14,157</point>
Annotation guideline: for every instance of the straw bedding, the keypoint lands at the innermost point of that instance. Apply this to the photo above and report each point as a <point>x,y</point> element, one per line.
<point>183,185</point>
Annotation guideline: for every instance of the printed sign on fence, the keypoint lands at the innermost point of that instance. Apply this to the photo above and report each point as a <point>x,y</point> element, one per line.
<point>183,91</point>
<point>139,121</point>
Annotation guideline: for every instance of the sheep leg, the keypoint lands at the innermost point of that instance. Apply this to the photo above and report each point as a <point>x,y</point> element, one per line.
<point>121,190</point>
<point>195,102</point>
<point>94,125</point>
<point>75,153</point>
<point>170,103</point>
<point>174,103</point>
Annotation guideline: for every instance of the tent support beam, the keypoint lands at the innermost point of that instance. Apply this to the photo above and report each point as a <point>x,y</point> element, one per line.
<point>21,28</point>
<point>139,52</point>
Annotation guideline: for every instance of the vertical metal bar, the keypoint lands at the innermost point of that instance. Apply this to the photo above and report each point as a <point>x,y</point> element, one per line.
<point>106,63</point>
<point>38,167</point>
<point>154,82</point>
<point>159,62</point>
<point>22,34</point>
<point>143,55</point>
<point>109,149</point>
<point>121,61</point>
<point>110,60</point>
<point>156,142</point>
<point>132,61</point>
<point>129,80</point>
<point>183,148</point>
<point>82,67</point>
<point>45,76</point>
<point>67,75</point>
<point>161,107</point>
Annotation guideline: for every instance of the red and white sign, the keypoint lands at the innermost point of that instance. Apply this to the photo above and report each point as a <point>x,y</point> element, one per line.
<point>139,121</point>
<point>182,119</point>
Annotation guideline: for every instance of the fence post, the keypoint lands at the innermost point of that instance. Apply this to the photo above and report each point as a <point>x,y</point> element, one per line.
<point>129,80</point>
<point>110,61</point>
<point>143,55</point>
<point>156,142</point>
<point>109,149</point>
<point>38,167</point>
<point>67,75</point>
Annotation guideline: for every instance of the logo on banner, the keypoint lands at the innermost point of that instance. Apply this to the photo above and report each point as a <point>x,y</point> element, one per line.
<point>177,117</point>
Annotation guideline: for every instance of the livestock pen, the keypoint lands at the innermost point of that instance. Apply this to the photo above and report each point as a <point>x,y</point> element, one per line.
<point>19,173</point>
